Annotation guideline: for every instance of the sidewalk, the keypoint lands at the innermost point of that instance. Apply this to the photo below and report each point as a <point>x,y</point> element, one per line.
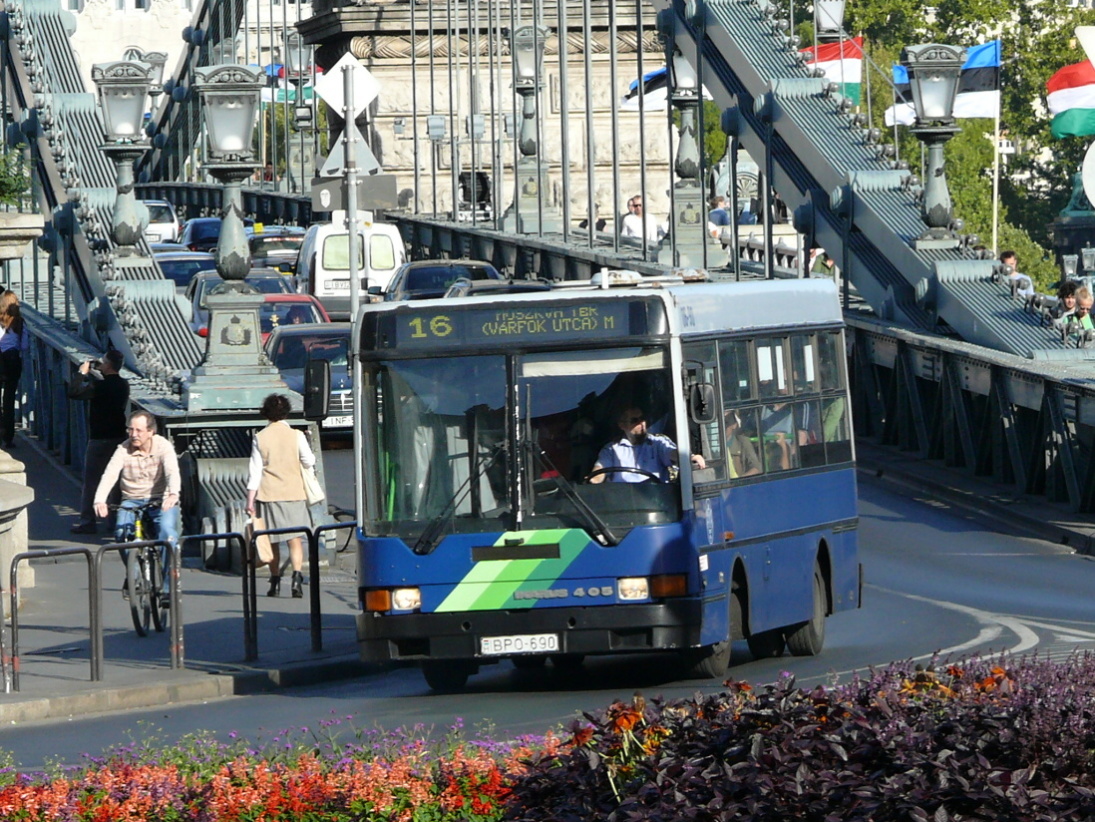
<point>54,641</point>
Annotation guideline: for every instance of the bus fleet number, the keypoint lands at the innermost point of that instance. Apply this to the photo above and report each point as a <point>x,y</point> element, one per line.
<point>439,326</point>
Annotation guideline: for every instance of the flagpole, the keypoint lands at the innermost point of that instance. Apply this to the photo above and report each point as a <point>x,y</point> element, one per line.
<point>996,150</point>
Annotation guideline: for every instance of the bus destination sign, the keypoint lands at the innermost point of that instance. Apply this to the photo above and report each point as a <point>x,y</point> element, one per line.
<point>517,324</point>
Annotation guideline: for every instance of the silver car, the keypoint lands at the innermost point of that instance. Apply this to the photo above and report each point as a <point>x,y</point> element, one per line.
<point>163,222</point>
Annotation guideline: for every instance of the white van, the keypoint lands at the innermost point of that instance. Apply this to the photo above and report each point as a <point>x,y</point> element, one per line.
<point>323,266</point>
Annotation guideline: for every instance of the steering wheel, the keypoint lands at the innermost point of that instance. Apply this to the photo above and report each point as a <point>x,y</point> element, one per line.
<point>618,469</point>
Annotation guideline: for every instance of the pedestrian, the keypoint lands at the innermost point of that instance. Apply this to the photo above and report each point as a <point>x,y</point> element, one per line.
<point>1082,313</point>
<point>719,216</point>
<point>146,468</point>
<point>14,345</point>
<point>275,487</point>
<point>1024,286</point>
<point>637,224</point>
<point>100,383</point>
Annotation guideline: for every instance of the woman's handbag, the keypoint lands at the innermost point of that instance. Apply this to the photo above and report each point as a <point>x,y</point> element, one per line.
<point>264,551</point>
<point>313,492</point>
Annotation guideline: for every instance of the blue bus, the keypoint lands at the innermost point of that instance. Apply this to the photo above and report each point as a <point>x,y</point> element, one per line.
<point>501,518</point>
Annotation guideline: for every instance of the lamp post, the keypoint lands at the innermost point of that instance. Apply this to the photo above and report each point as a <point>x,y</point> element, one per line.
<point>298,63</point>
<point>235,373</point>
<point>828,19</point>
<point>123,92</point>
<point>1069,263</point>
<point>688,234</point>
<point>933,77</point>
<point>1087,254</point>
<point>528,212</point>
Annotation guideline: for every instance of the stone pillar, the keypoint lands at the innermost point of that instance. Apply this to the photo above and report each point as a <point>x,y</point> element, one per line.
<point>15,496</point>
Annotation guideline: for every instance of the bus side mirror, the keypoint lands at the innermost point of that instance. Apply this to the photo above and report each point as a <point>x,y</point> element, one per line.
<point>317,389</point>
<point>701,403</point>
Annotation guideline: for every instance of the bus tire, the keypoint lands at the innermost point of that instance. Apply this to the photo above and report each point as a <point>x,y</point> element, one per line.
<point>766,644</point>
<point>807,638</point>
<point>708,662</point>
<point>448,675</point>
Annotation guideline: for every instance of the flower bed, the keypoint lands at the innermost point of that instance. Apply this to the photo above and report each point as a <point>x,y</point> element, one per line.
<point>978,740</point>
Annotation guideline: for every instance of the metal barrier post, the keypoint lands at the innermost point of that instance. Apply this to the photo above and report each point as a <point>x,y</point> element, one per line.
<point>11,679</point>
<point>178,654</point>
<point>313,599</point>
<point>250,603</point>
<point>313,573</point>
<point>249,627</point>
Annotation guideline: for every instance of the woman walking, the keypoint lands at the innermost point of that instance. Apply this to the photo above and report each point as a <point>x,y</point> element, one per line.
<point>14,344</point>
<point>275,487</point>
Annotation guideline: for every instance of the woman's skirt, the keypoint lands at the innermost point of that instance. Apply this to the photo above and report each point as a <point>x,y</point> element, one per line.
<point>291,514</point>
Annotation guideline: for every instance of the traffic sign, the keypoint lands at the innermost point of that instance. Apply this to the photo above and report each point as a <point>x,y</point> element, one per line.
<point>374,193</point>
<point>331,87</point>
<point>335,164</point>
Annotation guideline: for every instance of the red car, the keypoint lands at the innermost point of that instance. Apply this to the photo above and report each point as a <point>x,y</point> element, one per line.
<point>285,309</point>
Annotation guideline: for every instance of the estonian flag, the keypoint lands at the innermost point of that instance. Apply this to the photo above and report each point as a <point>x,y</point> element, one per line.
<point>978,87</point>
<point>655,92</point>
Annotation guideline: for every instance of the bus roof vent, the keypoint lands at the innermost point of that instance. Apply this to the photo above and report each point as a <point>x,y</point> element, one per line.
<point>616,278</point>
<point>691,275</point>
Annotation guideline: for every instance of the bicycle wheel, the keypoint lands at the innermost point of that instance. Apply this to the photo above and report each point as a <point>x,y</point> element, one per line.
<point>160,609</point>
<point>140,600</point>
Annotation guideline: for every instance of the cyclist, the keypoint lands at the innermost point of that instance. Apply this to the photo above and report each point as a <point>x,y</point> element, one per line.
<point>146,467</point>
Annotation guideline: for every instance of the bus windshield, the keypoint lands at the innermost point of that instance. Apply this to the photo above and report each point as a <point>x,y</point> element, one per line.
<point>502,442</point>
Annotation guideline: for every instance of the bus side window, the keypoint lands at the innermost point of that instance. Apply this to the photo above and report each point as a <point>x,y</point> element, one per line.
<point>738,384</point>
<point>704,439</point>
<point>772,376</point>
<point>803,366</point>
<point>834,429</point>
<point>831,359</point>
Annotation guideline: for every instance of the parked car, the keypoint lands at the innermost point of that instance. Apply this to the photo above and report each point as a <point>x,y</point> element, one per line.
<point>289,348</point>
<point>202,233</point>
<point>163,222</point>
<point>276,247</point>
<point>492,288</point>
<point>181,266</point>
<point>431,278</point>
<point>289,309</point>
<point>265,280</point>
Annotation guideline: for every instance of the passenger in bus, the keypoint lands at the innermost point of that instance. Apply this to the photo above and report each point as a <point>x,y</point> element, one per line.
<point>777,427</point>
<point>638,454</point>
<point>742,456</point>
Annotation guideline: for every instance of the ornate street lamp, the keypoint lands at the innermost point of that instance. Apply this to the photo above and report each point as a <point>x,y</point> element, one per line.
<point>235,374</point>
<point>688,234</point>
<point>123,93</point>
<point>529,213</point>
<point>933,77</point>
<point>829,19</point>
<point>1069,262</point>
<point>1088,256</point>
<point>298,66</point>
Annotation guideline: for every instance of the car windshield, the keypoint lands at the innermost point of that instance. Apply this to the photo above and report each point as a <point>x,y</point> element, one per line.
<point>206,230</point>
<point>293,351</point>
<point>182,271</point>
<point>275,245</point>
<point>273,314</point>
<point>442,276</point>
<point>266,285</point>
<point>160,213</point>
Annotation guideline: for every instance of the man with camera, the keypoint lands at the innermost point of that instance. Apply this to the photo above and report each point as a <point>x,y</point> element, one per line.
<point>99,382</point>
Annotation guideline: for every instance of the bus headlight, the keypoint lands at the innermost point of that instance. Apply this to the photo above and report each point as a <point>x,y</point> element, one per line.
<point>632,588</point>
<point>406,599</point>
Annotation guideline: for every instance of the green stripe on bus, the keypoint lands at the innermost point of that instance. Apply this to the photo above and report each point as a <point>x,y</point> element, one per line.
<point>571,543</point>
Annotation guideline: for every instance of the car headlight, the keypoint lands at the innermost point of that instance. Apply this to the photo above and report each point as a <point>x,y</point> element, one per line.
<point>406,599</point>
<point>630,588</point>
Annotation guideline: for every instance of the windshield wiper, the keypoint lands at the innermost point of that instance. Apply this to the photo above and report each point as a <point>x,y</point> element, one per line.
<point>597,526</point>
<point>429,540</point>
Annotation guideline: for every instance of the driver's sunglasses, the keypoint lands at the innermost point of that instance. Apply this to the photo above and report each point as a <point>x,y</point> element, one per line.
<point>634,420</point>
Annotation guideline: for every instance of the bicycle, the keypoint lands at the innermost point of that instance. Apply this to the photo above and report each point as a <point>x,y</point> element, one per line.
<point>144,570</point>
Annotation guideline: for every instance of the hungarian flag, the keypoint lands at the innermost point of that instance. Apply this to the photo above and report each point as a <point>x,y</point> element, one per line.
<point>978,87</point>
<point>1071,100</point>
<point>842,62</point>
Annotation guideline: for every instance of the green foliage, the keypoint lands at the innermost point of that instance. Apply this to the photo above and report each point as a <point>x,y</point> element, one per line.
<point>14,180</point>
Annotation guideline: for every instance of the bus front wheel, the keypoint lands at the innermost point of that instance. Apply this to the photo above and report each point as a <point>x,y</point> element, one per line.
<point>807,638</point>
<point>447,676</point>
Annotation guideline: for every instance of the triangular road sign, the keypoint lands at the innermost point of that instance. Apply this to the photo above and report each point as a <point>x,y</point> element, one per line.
<point>335,166</point>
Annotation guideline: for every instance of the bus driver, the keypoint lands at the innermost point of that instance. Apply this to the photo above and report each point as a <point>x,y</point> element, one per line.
<point>638,449</point>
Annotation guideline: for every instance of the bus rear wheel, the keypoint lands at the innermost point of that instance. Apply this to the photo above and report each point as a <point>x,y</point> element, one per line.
<point>448,675</point>
<point>807,638</point>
